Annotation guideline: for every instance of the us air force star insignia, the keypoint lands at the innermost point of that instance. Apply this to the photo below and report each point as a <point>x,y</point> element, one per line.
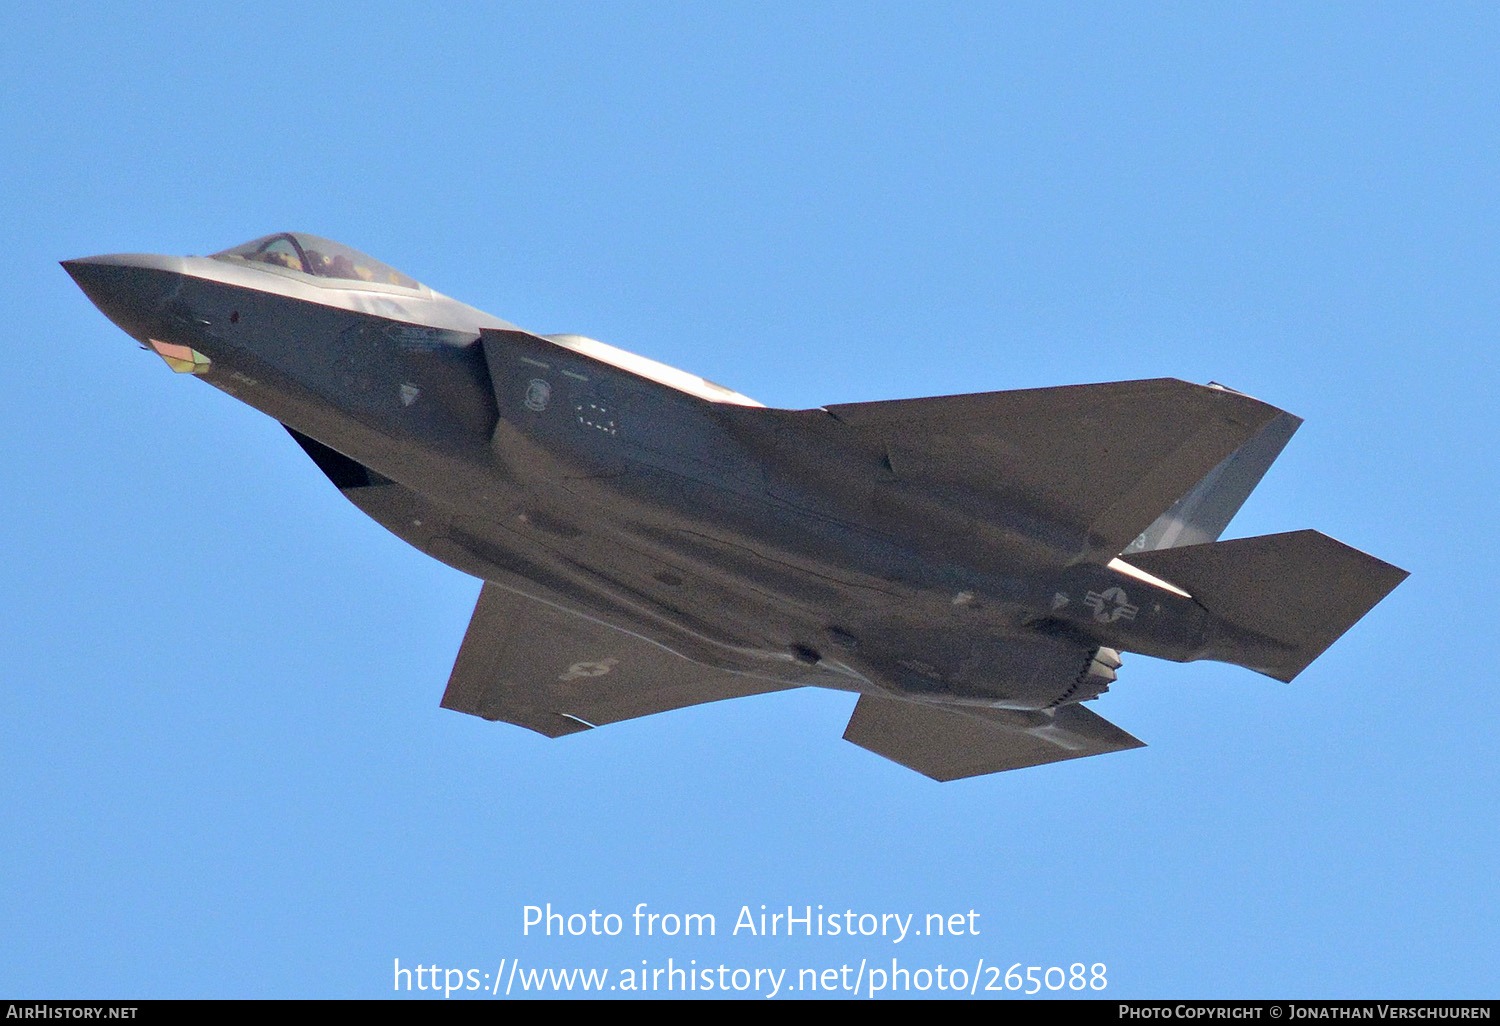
<point>1110,605</point>
<point>598,669</point>
<point>538,394</point>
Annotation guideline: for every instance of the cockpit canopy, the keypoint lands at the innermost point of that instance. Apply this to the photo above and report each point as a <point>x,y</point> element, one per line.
<point>322,258</point>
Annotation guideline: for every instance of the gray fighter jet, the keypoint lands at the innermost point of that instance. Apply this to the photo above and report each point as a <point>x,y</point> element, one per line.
<point>970,565</point>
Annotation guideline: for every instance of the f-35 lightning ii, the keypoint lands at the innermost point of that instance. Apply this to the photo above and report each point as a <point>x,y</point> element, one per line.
<point>970,565</point>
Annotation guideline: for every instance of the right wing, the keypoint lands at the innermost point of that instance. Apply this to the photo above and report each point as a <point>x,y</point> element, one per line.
<point>951,742</point>
<point>541,666</point>
<point>1104,460</point>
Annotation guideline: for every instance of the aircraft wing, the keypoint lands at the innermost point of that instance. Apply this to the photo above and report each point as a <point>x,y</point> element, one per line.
<point>1106,459</point>
<point>1201,514</point>
<point>541,666</point>
<point>952,742</point>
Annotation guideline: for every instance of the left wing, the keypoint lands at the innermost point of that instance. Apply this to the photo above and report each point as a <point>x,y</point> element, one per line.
<point>541,666</point>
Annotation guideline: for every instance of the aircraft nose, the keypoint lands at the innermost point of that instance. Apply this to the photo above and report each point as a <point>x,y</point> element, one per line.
<point>129,289</point>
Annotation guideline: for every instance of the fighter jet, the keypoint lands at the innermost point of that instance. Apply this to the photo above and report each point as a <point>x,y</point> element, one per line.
<point>971,566</point>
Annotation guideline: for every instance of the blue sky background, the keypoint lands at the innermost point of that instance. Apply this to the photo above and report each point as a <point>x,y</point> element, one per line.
<point>224,771</point>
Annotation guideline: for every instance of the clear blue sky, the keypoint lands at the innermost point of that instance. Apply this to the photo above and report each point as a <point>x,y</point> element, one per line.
<point>224,771</point>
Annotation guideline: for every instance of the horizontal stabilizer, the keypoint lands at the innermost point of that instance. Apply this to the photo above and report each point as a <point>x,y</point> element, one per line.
<point>1279,599</point>
<point>554,671</point>
<point>948,743</point>
<point>1103,460</point>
